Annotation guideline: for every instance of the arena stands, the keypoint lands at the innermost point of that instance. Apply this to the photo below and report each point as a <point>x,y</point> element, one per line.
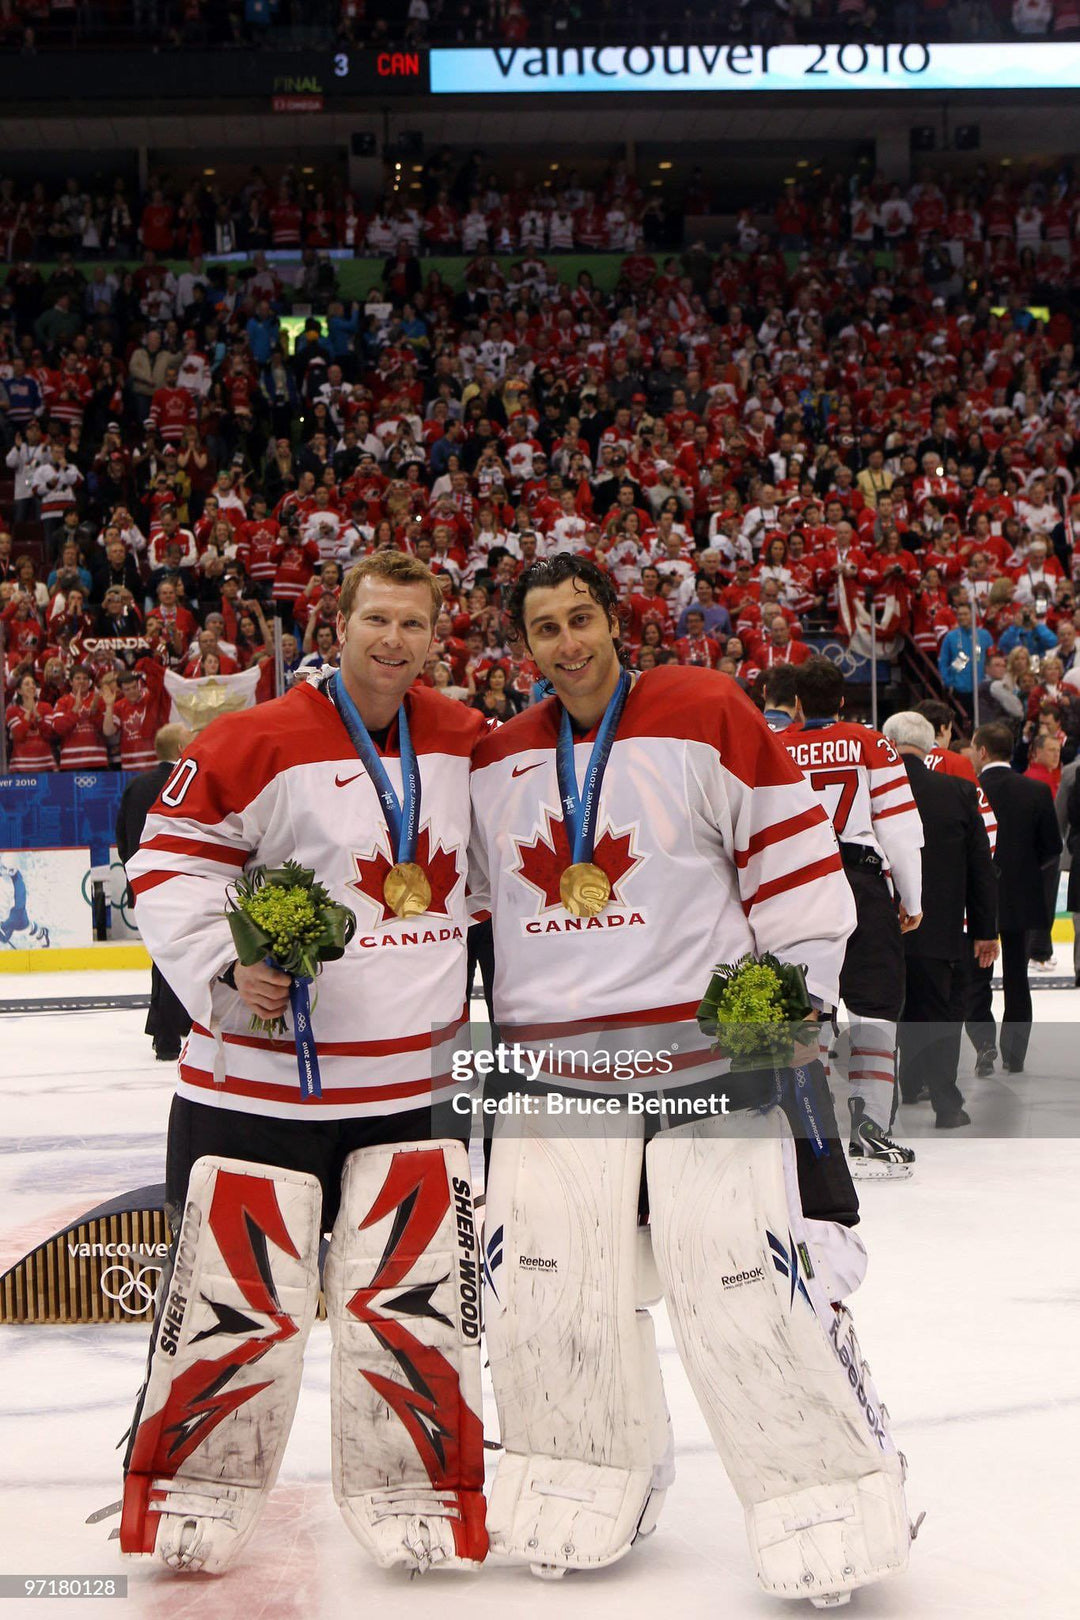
<point>36,25</point>
<point>859,415</point>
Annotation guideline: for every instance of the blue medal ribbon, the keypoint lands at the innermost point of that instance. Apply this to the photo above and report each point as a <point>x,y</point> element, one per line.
<point>307,1053</point>
<point>402,820</point>
<point>402,815</point>
<point>580,810</point>
<point>804,1104</point>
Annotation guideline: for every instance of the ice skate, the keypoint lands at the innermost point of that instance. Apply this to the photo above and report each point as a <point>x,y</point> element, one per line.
<point>873,1154</point>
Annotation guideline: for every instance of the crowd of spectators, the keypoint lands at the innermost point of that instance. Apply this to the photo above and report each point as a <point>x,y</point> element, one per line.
<point>978,233</point>
<point>764,446</point>
<point>33,25</point>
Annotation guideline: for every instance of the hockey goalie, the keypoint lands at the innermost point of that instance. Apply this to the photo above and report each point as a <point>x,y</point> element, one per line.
<point>363,778</point>
<point>628,835</point>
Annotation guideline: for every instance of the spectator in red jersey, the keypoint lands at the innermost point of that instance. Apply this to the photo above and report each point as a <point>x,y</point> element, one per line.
<point>172,408</point>
<point>778,647</point>
<point>136,706</point>
<point>156,226</point>
<point>78,720</point>
<point>29,730</point>
<point>208,644</point>
<point>286,220</point>
<point>295,567</point>
<point>695,647</point>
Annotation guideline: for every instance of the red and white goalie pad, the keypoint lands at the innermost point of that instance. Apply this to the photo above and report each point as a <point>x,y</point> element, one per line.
<point>403,1297</point>
<point>585,1433</point>
<point>776,1369</point>
<point>226,1358</point>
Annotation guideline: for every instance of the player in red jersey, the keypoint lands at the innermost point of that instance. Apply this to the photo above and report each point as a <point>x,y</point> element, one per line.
<point>860,779</point>
<point>943,757</point>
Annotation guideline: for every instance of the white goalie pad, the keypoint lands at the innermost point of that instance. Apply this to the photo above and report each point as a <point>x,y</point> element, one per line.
<point>402,1285</point>
<point>776,1369</point>
<point>226,1357</point>
<point>584,1426</point>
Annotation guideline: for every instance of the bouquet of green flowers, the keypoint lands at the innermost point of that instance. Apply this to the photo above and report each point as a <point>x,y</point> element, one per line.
<point>758,1010</point>
<point>281,916</point>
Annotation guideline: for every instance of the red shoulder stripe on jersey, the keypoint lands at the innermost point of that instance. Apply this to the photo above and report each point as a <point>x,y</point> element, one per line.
<point>899,780</point>
<point>535,727</point>
<point>795,880</point>
<point>897,810</point>
<point>150,880</point>
<point>268,1092</point>
<point>227,854</point>
<point>681,703</point>
<point>780,830</point>
<point>440,725</point>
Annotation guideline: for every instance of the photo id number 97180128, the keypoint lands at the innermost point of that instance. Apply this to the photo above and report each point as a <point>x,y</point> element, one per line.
<point>63,1586</point>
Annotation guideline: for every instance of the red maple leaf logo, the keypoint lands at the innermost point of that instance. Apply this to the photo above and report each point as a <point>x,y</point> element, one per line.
<point>542,862</point>
<point>440,865</point>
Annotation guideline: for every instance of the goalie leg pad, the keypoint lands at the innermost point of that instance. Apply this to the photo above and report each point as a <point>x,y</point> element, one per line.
<point>402,1285</point>
<point>776,1369</point>
<point>226,1357</point>
<point>585,1432</point>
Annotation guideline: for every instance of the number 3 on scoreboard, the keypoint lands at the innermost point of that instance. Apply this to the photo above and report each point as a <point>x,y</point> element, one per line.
<point>839,804</point>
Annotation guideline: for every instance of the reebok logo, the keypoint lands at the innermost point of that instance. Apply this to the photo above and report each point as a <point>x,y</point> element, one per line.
<point>852,1363</point>
<point>519,770</point>
<point>535,1262</point>
<point>739,1279</point>
<point>339,783</point>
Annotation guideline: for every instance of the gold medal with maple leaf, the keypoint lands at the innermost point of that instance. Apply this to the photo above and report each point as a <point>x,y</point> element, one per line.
<point>390,883</point>
<point>545,862</point>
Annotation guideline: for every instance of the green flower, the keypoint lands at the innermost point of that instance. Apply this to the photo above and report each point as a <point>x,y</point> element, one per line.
<point>756,1010</point>
<point>281,913</point>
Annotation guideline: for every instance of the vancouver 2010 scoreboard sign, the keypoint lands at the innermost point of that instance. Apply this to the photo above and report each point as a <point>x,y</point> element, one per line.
<point>585,69</point>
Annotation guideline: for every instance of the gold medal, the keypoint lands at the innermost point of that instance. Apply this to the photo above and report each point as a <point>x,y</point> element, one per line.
<point>406,889</point>
<point>584,889</point>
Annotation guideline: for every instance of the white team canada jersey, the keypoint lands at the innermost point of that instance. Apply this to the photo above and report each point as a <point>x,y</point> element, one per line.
<point>714,847</point>
<point>282,782</point>
<point>327,529</point>
<point>519,456</point>
<point>625,561</point>
<point>569,533</point>
<point>194,374</point>
<point>860,778</point>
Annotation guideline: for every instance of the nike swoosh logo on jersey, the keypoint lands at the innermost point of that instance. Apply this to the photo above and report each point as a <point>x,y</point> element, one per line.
<point>339,783</point>
<point>519,770</point>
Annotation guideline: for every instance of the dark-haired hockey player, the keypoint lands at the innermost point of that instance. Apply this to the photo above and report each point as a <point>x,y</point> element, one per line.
<point>860,779</point>
<point>628,836</point>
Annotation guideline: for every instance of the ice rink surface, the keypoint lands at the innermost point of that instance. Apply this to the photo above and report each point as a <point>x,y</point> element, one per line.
<point>969,1317</point>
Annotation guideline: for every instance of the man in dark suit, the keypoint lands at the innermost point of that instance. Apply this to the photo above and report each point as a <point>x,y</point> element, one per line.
<point>167,1021</point>
<point>1027,842</point>
<point>958,877</point>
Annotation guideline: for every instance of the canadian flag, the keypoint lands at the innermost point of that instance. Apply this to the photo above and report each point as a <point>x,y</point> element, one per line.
<point>198,700</point>
<point>889,614</point>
